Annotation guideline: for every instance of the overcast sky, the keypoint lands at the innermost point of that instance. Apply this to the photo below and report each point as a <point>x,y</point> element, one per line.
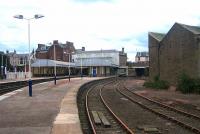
<point>95,24</point>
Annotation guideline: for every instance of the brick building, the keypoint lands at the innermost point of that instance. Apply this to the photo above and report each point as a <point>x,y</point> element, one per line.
<point>45,63</point>
<point>175,52</point>
<point>62,51</point>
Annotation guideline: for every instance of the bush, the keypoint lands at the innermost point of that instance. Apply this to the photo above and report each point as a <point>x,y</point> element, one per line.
<point>188,85</point>
<point>157,83</point>
<point>197,85</point>
<point>1,77</point>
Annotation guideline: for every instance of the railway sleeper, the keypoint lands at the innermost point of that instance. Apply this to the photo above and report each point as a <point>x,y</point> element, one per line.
<point>96,118</point>
<point>104,120</point>
<point>99,118</point>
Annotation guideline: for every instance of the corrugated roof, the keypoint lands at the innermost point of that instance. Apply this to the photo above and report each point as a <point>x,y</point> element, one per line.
<point>50,63</point>
<point>96,62</point>
<point>99,51</point>
<point>157,36</point>
<point>193,29</point>
<point>1,52</point>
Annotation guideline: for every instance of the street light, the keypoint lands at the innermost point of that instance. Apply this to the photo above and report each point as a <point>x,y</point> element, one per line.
<point>81,67</point>
<point>2,65</point>
<point>69,71</point>
<point>54,64</point>
<point>69,67</point>
<point>36,16</point>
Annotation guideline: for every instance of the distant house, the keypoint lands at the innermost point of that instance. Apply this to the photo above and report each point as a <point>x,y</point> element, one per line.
<point>17,60</point>
<point>142,57</point>
<point>176,52</point>
<point>141,64</point>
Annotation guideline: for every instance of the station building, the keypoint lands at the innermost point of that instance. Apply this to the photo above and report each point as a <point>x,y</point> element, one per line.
<point>81,62</point>
<point>100,62</point>
<point>175,52</point>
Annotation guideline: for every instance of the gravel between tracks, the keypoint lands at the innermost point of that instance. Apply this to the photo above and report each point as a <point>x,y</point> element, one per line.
<point>186,102</point>
<point>137,117</point>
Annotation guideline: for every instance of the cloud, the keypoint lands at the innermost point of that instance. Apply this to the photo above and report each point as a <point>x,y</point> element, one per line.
<point>95,24</point>
<point>92,1</point>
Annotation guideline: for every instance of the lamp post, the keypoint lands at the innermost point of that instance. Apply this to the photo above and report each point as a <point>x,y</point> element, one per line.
<point>6,67</point>
<point>81,67</point>
<point>69,59</point>
<point>54,64</point>
<point>2,65</point>
<point>69,67</point>
<point>36,16</point>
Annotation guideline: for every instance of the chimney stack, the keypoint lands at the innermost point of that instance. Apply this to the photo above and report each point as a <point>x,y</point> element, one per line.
<point>83,48</point>
<point>55,42</point>
<point>122,50</point>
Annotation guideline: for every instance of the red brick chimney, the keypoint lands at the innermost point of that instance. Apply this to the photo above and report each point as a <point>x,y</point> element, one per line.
<point>55,42</point>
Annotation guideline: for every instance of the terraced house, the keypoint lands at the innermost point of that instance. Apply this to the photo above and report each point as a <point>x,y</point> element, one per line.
<point>175,52</point>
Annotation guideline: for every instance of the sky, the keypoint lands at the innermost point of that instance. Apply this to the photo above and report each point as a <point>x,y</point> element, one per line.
<point>94,24</point>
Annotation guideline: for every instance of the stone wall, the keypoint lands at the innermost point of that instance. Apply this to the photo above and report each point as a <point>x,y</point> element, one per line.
<point>178,54</point>
<point>153,57</point>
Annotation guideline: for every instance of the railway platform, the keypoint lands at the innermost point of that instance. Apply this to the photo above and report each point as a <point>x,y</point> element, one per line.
<point>51,110</point>
<point>15,80</point>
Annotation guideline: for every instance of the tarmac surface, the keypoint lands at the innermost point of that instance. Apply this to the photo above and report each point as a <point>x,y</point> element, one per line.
<point>51,110</point>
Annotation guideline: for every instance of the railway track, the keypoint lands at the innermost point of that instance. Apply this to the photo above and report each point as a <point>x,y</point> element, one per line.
<point>11,86</point>
<point>182,118</point>
<point>101,119</point>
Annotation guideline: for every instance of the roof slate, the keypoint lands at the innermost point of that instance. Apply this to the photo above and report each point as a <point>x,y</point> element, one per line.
<point>157,36</point>
<point>193,29</point>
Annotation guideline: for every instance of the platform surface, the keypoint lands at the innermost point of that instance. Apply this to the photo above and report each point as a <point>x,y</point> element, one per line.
<point>51,110</point>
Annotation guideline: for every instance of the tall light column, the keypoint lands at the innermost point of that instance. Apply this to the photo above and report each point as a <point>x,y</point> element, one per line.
<point>81,67</point>
<point>36,16</point>
<point>29,56</point>
<point>2,65</point>
<point>25,66</point>
<point>69,67</point>
<point>54,64</point>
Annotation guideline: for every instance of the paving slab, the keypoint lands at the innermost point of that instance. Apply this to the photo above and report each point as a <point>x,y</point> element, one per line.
<point>51,109</point>
<point>67,121</point>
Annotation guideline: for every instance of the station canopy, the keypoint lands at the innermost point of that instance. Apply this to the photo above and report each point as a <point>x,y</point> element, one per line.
<point>95,62</point>
<point>51,63</point>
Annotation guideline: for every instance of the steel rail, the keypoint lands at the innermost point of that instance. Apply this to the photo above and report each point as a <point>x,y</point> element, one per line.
<point>88,112</point>
<point>116,117</point>
<point>12,86</point>
<point>193,129</point>
<point>165,106</point>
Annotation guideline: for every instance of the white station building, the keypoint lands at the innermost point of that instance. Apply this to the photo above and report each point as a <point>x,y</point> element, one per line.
<point>100,62</point>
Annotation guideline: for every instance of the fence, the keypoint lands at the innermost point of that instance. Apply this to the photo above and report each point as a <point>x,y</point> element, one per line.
<point>17,75</point>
